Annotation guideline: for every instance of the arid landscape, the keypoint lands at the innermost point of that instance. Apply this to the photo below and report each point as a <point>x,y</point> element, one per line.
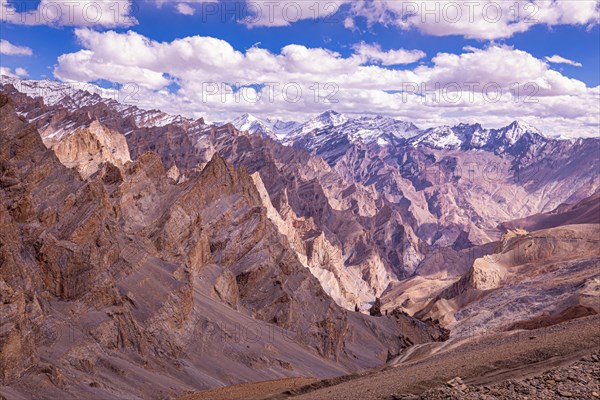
<point>361,242</point>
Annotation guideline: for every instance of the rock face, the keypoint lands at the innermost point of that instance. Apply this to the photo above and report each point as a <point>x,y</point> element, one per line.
<point>315,252</point>
<point>88,148</point>
<point>532,280</point>
<point>128,282</point>
<point>577,380</point>
<point>378,195</point>
<point>587,211</point>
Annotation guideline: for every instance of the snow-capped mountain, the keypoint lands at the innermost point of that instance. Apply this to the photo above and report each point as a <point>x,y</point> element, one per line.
<point>364,129</point>
<point>329,118</point>
<point>517,135</point>
<point>328,129</point>
<point>329,126</point>
<point>442,137</point>
<point>274,129</point>
<point>331,129</point>
<point>379,129</point>
<point>74,96</point>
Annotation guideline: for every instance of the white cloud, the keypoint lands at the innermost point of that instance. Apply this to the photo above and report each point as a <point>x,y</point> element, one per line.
<point>10,49</point>
<point>499,67</point>
<point>286,12</point>
<point>19,72</point>
<point>373,52</point>
<point>185,9</point>
<point>485,19</point>
<point>107,13</point>
<point>556,59</point>
<point>349,23</point>
<point>299,81</point>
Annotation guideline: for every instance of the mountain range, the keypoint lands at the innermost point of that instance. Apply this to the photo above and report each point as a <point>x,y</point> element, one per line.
<point>133,235</point>
<point>323,130</point>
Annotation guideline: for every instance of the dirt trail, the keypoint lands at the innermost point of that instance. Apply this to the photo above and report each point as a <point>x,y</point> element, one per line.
<point>483,360</point>
<point>251,391</point>
<point>480,361</point>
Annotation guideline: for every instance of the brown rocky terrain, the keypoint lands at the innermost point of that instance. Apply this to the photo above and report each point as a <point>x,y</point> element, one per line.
<point>544,363</point>
<point>129,283</point>
<point>307,192</point>
<point>145,255</point>
<point>533,279</point>
<point>87,148</point>
<point>380,209</point>
<point>587,211</point>
<point>580,380</point>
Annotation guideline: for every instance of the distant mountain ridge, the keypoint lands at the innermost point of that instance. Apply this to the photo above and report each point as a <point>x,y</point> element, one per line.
<point>72,97</point>
<point>331,127</point>
<point>274,129</point>
<point>369,195</point>
<point>475,137</point>
<point>324,129</point>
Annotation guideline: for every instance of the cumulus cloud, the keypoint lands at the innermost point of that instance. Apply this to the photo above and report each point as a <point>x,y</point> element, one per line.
<point>185,9</point>
<point>10,49</point>
<point>499,67</point>
<point>19,72</point>
<point>286,12</point>
<point>485,19</point>
<point>491,85</point>
<point>556,59</point>
<point>373,52</point>
<point>107,13</point>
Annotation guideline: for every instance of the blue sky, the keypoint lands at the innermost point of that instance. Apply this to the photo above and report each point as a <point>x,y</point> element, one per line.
<point>379,27</point>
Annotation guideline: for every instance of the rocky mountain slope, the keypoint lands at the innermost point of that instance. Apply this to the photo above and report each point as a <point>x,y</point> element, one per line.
<point>274,129</point>
<point>304,188</point>
<point>149,255</point>
<point>533,279</point>
<point>454,179</point>
<point>587,211</point>
<point>526,279</point>
<point>550,363</point>
<point>387,194</point>
<point>133,283</point>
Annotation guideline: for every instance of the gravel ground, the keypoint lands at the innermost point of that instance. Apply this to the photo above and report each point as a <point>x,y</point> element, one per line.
<point>489,360</point>
<point>579,381</point>
<point>557,362</point>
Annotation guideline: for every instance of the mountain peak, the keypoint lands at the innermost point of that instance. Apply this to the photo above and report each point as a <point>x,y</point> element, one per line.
<point>523,127</point>
<point>330,112</point>
<point>474,126</point>
<point>524,124</point>
<point>332,117</point>
<point>272,128</point>
<point>248,116</point>
<point>515,131</point>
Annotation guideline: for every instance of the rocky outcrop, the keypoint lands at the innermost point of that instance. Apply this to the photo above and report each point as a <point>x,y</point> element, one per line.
<point>87,148</point>
<point>576,380</point>
<point>385,205</point>
<point>132,283</point>
<point>323,259</point>
<point>532,280</point>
